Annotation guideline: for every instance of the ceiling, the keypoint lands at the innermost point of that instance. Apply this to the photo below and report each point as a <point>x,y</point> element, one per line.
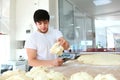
<point>111,10</point>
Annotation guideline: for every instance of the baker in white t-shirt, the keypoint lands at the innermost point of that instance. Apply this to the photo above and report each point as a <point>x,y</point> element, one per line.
<point>39,43</point>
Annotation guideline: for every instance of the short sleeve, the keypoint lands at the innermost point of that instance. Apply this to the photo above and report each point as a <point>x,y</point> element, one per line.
<point>30,43</point>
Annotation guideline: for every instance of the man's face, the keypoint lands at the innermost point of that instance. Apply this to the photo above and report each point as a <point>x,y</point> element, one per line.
<point>42,26</point>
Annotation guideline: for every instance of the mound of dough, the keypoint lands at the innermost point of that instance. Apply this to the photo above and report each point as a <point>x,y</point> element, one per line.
<point>57,49</point>
<point>81,76</point>
<point>56,76</point>
<point>105,77</point>
<point>14,75</point>
<point>52,75</point>
<point>100,59</point>
<point>19,77</point>
<point>43,73</point>
<point>2,78</point>
<point>35,71</point>
<point>8,74</point>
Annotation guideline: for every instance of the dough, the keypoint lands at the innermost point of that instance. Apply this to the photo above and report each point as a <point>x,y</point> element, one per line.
<point>35,71</point>
<point>57,49</point>
<point>2,78</point>
<point>53,75</point>
<point>19,77</point>
<point>14,75</point>
<point>8,74</point>
<point>43,73</point>
<point>81,76</point>
<point>105,77</point>
<point>40,76</point>
<point>100,59</point>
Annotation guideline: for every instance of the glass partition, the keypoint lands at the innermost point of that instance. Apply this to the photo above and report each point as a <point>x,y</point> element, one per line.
<point>75,26</point>
<point>66,20</point>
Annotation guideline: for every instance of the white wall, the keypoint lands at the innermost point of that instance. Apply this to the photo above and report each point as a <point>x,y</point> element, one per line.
<point>24,12</point>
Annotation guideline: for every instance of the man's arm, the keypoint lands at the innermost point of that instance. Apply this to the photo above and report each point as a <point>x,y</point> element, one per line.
<point>33,61</point>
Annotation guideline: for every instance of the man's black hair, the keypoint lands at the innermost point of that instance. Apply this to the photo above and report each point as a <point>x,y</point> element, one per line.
<point>41,15</point>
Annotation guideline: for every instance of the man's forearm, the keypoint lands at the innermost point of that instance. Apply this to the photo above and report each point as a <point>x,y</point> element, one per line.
<point>36,62</point>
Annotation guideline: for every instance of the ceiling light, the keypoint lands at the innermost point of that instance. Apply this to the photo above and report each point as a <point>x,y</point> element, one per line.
<point>101,2</point>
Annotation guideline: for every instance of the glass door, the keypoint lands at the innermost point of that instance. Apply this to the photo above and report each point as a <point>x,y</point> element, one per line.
<point>66,21</point>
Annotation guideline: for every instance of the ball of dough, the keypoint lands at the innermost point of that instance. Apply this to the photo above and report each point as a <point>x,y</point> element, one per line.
<point>40,76</point>
<point>35,71</point>
<point>43,73</point>
<point>2,78</point>
<point>100,59</point>
<point>53,75</point>
<point>105,77</point>
<point>8,74</point>
<point>41,68</point>
<point>19,77</point>
<point>56,49</point>
<point>81,76</point>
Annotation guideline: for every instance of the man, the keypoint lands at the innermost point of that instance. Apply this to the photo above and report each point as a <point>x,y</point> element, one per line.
<point>39,43</point>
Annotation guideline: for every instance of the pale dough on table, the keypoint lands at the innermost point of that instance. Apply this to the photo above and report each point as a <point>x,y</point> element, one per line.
<point>53,75</point>
<point>100,59</point>
<point>19,77</point>
<point>10,73</point>
<point>105,77</point>
<point>36,73</point>
<point>2,78</point>
<point>14,75</point>
<point>43,73</point>
<point>81,76</point>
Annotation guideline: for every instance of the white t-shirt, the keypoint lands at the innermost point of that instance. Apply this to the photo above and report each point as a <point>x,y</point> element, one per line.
<point>43,42</point>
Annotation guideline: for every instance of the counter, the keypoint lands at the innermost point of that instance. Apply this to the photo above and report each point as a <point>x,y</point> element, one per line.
<point>73,66</point>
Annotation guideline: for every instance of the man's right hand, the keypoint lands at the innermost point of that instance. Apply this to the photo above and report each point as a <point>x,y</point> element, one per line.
<point>57,62</point>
